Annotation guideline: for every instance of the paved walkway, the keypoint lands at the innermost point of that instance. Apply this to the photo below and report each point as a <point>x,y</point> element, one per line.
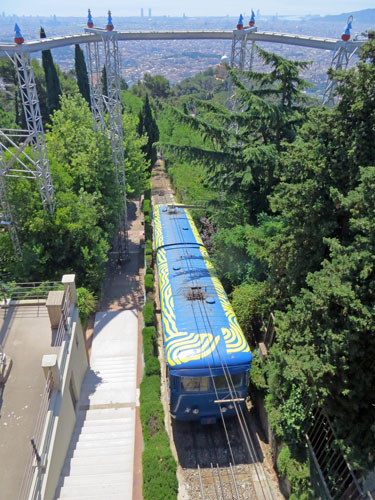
<point>104,456</point>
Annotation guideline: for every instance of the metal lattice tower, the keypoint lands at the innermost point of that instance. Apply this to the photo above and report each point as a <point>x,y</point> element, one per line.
<point>340,60</point>
<point>16,162</point>
<point>112,105</point>
<point>95,81</point>
<point>242,56</point>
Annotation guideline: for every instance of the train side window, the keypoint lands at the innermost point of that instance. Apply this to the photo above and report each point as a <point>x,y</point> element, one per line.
<point>195,384</point>
<point>222,382</point>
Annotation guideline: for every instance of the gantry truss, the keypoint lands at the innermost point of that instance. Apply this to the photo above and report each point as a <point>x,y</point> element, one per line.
<point>340,60</point>
<point>242,56</point>
<point>14,160</point>
<point>111,105</point>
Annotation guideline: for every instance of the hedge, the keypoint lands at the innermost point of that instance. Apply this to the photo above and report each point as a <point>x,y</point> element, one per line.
<point>149,312</point>
<point>152,367</point>
<point>149,283</point>
<point>148,247</point>
<point>149,270</point>
<point>297,473</point>
<point>148,228</point>
<point>148,260</point>
<point>146,207</point>
<point>149,342</point>
<point>159,470</point>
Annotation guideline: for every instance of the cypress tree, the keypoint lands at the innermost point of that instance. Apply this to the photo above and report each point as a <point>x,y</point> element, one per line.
<point>104,81</point>
<point>52,79</point>
<point>81,72</point>
<point>147,125</point>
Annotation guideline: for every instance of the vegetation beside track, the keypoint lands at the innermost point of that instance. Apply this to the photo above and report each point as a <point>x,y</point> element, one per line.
<point>159,466</point>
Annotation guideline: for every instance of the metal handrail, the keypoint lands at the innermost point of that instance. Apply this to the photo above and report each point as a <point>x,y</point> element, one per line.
<point>33,290</point>
<point>34,461</point>
<point>43,430</point>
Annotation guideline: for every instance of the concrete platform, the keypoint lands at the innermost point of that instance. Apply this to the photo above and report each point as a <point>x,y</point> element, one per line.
<point>100,458</point>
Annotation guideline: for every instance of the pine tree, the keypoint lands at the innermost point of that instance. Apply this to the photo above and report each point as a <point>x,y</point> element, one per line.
<point>52,79</point>
<point>81,73</point>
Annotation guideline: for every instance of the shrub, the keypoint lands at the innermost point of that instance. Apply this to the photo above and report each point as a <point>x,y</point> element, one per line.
<point>296,472</point>
<point>146,207</point>
<point>149,342</point>
<point>147,219</point>
<point>148,247</point>
<point>148,260</point>
<point>149,312</point>
<point>149,271</point>
<point>148,230</point>
<point>152,367</point>
<point>147,194</point>
<point>86,304</point>
<point>149,283</point>
<point>159,470</point>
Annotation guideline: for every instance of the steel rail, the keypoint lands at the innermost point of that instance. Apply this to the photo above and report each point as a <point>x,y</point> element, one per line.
<point>7,49</point>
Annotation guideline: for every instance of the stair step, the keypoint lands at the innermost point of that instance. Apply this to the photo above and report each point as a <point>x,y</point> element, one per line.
<point>101,490</point>
<point>105,414</point>
<point>91,460</point>
<point>113,496</point>
<point>105,443</point>
<point>98,479</point>
<point>101,436</point>
<point>97,469</point>
<point>93,429</point>
<point>102,451</point>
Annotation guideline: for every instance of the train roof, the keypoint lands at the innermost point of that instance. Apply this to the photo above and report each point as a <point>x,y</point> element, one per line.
<point>199,325</point>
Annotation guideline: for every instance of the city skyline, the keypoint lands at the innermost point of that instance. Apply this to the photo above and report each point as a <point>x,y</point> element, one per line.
<point>193,9</point>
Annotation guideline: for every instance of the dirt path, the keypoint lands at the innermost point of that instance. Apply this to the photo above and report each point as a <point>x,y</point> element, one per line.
<point>124,289</point>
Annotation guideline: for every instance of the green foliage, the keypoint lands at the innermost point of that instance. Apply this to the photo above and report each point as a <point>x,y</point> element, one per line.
<point>86,304</point>
<point>147,126</point>
<point>149,342</point>
<point>150,271</point>
<point>157,85</point>
<point>297,472</point>
<point>148,312</point>
<point>149,283</point>
<point>52,80</point>
<point>257,374</point>
<point>159,470</point>
<point>152,367</point>
<point>148,247</point>
<point>146,207</point>
<point>81,73</point>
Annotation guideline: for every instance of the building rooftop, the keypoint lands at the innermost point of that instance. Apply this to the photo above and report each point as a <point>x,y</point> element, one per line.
<point>25,336</point>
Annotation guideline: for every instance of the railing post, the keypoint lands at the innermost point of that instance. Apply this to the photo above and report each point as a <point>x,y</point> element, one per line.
<point>50,365</point>
<point>68,280</point>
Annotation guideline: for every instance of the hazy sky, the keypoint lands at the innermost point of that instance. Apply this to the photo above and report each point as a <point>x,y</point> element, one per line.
<point>178,7</point>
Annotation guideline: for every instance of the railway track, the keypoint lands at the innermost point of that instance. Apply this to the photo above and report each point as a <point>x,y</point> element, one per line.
<point>223,461</point>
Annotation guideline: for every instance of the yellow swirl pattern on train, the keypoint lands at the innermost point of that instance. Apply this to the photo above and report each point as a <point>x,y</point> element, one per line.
<point>181,347</point>
<point>235,342</point>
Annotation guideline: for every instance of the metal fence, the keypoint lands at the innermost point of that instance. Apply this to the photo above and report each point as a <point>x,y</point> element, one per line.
<point>33,290</point>
<point>37,457</point>
<point>332,476</point>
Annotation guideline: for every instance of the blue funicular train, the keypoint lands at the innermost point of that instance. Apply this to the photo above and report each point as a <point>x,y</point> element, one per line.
<point>208,358</point>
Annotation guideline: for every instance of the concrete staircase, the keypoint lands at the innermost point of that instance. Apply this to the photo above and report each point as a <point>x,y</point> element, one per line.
<point>99,460</point>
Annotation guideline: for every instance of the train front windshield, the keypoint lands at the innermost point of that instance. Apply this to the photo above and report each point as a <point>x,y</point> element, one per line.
<point>205,384</point>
